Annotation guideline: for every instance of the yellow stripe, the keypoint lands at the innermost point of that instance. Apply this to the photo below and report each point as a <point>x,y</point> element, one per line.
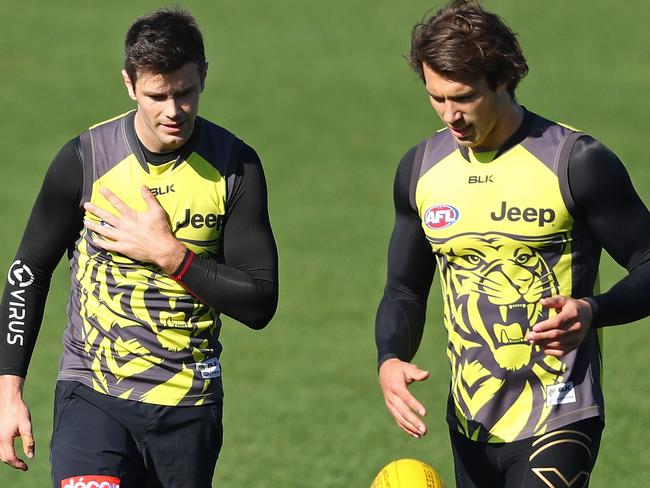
<point>557,432</point>
<point>110,120</point>
<point>561,441</point>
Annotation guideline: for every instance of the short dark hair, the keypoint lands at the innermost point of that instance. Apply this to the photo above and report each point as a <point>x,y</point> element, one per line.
<point>463,42</point>
<point>163,41</point>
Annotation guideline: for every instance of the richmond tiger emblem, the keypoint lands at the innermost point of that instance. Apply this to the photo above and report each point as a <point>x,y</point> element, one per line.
<point>492,284</point>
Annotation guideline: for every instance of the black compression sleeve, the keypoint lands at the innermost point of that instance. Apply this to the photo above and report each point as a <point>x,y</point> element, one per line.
<point>53,226</point>
<point>411,266</point>
<point>618,220</point>
<point>244,284</point>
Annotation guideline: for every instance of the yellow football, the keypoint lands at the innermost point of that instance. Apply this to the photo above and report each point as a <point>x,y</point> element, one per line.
<point>408,473</point>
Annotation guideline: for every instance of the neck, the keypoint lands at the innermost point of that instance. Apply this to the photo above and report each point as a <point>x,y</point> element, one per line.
<point>513,114</point>
<point>149,140</point>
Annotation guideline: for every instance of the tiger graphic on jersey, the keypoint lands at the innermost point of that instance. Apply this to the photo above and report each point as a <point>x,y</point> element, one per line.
<point>503,230</point>
<point>118,326</point>
<point>135,332</point>
<point>493,283</point>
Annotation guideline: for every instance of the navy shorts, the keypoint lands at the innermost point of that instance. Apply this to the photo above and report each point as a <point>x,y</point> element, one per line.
<point>558,459</point>
<point>99,441</point>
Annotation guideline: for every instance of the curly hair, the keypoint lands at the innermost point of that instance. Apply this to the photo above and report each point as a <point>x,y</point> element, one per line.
<point>163,41</point>
<point>463,42</point>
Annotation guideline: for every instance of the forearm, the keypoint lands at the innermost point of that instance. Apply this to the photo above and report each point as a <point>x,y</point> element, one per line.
<point>250,299</point>
<point>242,282</point>
<point>22,312</point>
<point>627,301</point>
<point>398,328</point>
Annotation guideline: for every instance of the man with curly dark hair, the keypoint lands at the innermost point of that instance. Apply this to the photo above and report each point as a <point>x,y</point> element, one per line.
<point>514,210</point>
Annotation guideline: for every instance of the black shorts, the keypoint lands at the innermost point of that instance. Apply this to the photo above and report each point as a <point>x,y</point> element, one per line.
<point>99,441</point>
<point>558,459</point>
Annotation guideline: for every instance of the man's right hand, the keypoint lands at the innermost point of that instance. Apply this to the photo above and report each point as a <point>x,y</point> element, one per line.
<point>394,377</point>
<point>15,421</point>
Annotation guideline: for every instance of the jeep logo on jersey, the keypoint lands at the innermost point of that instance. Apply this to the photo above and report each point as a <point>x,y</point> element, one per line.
<point>441,216</point>
<point>542,216</point>
<point>20,274</point>
<point>198,220</point>
<point>91,481</point>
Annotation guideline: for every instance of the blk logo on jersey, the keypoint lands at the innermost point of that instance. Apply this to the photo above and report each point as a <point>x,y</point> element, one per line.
<point>210,368</point>
<point>91,481</point>
<point>560,394</point>
<point>441,216</point>
<point>159,190</point>
<point>480,179</point>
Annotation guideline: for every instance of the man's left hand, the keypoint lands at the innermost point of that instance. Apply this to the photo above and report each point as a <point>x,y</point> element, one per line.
<point>143,236</point>
<point>561,334</point>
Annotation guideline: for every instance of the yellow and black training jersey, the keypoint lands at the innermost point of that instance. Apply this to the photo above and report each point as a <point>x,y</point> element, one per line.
<point>505,230</point>
<point>134,332</point>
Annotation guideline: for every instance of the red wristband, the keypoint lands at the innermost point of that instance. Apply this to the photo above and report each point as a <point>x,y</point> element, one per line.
<point>184,266</point>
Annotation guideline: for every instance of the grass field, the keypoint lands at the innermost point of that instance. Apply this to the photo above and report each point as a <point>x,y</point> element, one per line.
<point>322,91</point>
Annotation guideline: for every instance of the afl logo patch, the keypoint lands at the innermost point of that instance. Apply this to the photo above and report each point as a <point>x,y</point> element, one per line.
<point>441,216</point>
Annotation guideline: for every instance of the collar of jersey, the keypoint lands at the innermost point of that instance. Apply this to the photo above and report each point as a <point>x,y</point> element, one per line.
<point>489,156</point>
<point>134,145</point>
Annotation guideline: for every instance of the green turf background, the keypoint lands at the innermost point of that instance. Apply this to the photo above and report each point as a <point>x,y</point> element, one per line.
<point>322,91</point>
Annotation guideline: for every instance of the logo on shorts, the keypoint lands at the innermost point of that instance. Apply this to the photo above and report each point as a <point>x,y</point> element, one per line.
<point>441,216</point>
<point>209,369</point>
<point>91,481</point>
<point>20,274</point>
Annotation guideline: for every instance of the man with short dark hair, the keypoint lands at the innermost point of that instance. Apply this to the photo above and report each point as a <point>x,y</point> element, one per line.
<point>164,218</point>
<point>515,210</point>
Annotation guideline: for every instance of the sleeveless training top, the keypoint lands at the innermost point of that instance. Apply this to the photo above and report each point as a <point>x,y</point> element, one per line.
<point>132,331</point>
<point>505,234</point>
